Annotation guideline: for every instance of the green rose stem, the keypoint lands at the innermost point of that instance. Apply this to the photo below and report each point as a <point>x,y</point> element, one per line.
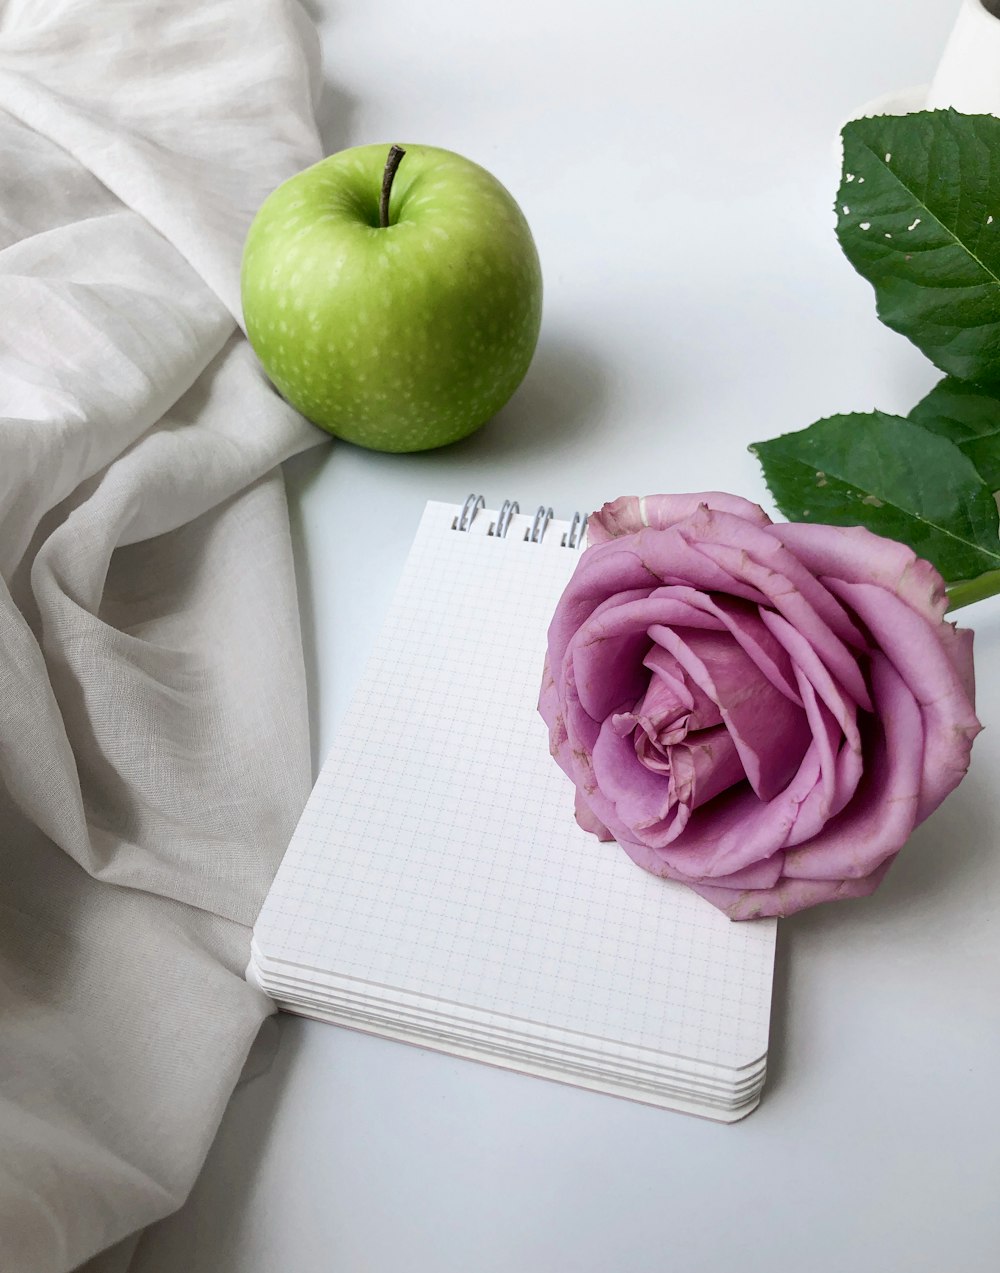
<point>396,153</point>
<point>969,590</point>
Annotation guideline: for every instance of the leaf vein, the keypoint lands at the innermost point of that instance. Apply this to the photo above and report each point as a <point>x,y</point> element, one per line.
<point>924,207</point>
<point>920,517</point>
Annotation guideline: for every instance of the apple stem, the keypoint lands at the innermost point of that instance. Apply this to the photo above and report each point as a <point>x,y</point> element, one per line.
<point>396,153</point>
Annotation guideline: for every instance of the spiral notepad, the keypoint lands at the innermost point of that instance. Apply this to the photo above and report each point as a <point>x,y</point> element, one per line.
<point>438,891</point>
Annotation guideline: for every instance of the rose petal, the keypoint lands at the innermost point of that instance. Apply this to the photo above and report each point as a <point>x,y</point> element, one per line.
<point>808,662</point>
<point>630,513</point>
<point>826,737</point>
<point>823,730</point>
<point>763,549</point>
<point>575,756</point>
<point>607,650</point>
<point>915,649</point>
<point>662,714</point>
<point>771,734</point>
<point>667,680</point>
<point>605,571</point>
<point>853,554</point>
<point>754,557</point>
<point>744,622</point>
<point>856,555</point>
<point>609,671</point>
<point>792,604</point>
<point>674,560</point>
<point>703,610</point>
<point>841,765</point>
<point>581,732</point>
<point>652,755</point>
<point>733,832</point>
<point>761,874</point>
<point>716,762</point>
<point>883,811</point>
<point>548,695</point>
<point>957,645</point>
<point>788,896</point>
<point>587,822</point>
<point>640,797</point>
<point>747,627</point>
<point>654,807</point>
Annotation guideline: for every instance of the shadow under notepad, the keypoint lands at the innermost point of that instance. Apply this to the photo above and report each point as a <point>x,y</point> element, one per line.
<point>781,1014</point>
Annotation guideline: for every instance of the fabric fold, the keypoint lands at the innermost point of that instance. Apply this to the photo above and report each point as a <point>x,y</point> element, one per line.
<point>154,748</point>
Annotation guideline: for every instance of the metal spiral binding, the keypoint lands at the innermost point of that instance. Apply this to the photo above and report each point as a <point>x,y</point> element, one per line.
<point>502,524</point>
<point>576,528</point>
<point>539,525</point>
<point>467,516</point>
<point>536,532</point>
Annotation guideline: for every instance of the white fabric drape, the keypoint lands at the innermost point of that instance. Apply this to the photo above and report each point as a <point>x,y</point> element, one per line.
<point>153,730</point>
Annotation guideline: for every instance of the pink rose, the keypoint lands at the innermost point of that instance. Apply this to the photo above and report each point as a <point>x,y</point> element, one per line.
<point>763,712</point>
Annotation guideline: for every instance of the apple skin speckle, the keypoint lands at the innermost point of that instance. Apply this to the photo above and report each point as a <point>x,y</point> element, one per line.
<point>399,338</point>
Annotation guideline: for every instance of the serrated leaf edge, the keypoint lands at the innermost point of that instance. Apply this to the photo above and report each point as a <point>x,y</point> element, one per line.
<point>863,142</point>
<point>860,415</point>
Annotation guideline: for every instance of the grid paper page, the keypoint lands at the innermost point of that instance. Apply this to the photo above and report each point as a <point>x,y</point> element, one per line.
<point>438,858</point>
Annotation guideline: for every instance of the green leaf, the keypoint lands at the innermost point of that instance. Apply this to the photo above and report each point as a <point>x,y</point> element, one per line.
<point>894,477</point>
<point>918,214</point>
<point>970,416</point>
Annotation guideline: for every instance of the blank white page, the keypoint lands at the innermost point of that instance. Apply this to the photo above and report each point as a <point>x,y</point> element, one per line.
<point>438,858</point>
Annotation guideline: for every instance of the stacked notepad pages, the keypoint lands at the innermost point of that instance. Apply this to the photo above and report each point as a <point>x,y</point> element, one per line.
<point>438,891</point>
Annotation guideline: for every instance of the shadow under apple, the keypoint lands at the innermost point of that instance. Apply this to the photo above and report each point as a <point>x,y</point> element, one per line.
<point>562,398</point>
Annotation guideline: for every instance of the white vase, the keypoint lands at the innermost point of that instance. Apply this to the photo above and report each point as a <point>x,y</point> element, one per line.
<point>968,75</point>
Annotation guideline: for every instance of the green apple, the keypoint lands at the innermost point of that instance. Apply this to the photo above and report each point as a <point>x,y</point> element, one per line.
<point>393,295</point>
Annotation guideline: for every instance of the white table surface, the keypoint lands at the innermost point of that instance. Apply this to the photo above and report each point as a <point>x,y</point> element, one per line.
<point>675,162</point>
